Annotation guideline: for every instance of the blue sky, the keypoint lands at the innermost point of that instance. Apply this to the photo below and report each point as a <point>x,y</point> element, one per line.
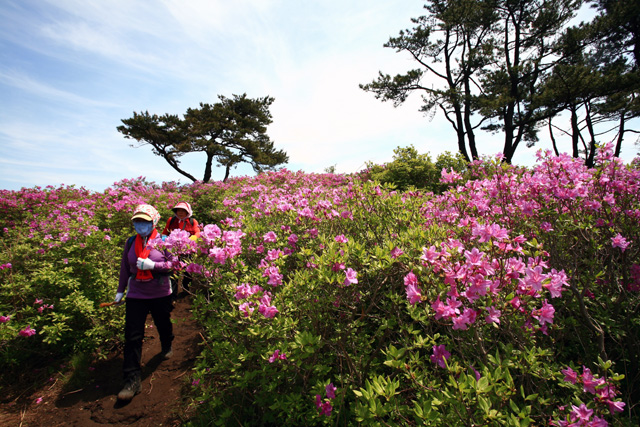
<point>70,70</point>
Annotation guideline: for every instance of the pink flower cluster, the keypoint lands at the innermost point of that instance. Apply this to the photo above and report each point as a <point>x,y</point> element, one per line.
<point>27,332</point>
<point>440,354</point>
<point>478,280</point>
<point>604,391</point>
<point>277,356</point>
<point>257,297</point>
<point>411,287</point>
<point>324,405</point>
<point>42,306</point>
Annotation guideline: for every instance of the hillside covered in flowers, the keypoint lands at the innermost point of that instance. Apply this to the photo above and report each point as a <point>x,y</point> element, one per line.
<point>510,298</point>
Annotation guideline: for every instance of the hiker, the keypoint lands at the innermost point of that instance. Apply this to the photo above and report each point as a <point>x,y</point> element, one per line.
<point>145,272</point>
<point>182,220</point>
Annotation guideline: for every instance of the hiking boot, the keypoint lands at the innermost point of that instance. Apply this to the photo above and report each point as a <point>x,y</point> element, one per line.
<point>131,388</point>
<point>167,354</point>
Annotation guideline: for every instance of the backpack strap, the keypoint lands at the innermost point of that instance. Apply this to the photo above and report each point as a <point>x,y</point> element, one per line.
<point>175,218</point>
<point>129,242</point>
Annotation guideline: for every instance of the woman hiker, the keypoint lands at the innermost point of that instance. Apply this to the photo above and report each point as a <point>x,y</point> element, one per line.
<point>145,272</point>
<point>183,220</point>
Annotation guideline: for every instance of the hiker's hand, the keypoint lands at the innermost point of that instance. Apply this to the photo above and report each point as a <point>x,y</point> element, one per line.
<point>145,264</point>
<point>118,299</point>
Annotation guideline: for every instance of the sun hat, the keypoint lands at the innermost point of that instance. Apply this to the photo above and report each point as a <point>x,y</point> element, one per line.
<point>146,212</point>
<point>183,205</point>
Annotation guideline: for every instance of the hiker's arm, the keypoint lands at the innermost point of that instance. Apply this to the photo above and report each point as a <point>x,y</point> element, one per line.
<point>196,227</point>
<point>125,272</point>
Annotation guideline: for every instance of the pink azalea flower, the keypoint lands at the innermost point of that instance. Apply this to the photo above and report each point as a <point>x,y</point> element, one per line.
<point>615,406</point>
<point>338,266</point>
<point>246,309</point>
<point>467,318</point>
<point>620,242</point>
<point>277,356</point>
<point>326,409</point>
<point>274,254</point>
<point>430,255</point>
<point>581,413</point>
<point>331,391</point>
<point>27,332</point>
<point>589,382</point>
<point>546,313</point>
<point>534,277</point>
<point>474,257</point>
<point>493,315</point>
<point>413,294</point>
<point>267,311</point>
<point>410,279</point>
<point>4,319</point>
<point>440,354</point>
<point>439,307</point>
<point>341,238</point>
<point>396,252</point>
<point>570,375</point>
<point>270,237</point>
<point>598,422</point>
<point>211,232</point>
<point>476,374</point>
<point>546,227</point>
<point>351,277</point>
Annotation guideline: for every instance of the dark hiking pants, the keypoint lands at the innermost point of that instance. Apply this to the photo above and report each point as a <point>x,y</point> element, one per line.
<point>135,318</point>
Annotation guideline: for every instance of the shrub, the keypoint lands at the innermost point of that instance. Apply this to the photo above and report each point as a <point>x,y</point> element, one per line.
<point>412,170</point>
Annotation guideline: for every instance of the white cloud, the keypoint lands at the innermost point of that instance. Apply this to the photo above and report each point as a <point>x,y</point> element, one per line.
<point>27,84</point>
<point>72,69</point>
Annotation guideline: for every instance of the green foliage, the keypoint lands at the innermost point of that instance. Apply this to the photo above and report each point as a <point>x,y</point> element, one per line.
<point>409,169</point>
<point>231,131</point>
<point>513,67</point>
<point>64,247</point>
<point>358,350</point>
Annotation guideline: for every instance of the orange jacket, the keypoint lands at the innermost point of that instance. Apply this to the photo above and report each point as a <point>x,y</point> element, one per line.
<point>189,224</point>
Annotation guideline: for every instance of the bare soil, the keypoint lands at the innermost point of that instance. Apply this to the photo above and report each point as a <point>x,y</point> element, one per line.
<point>95,402</point>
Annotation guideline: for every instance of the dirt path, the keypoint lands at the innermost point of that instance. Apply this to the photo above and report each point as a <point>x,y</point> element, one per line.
<point>95,404</point>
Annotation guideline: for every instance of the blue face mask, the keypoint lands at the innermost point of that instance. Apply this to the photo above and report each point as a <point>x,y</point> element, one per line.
<point>143,228</point>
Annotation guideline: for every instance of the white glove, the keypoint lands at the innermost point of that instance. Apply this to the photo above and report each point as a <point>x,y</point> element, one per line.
<point>145,264</point>
<point>118,299</point>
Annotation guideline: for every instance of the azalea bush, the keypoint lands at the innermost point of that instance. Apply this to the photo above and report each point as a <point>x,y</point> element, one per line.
<point>511,298</point>
<point>60,258</point>
<point>339,302</point>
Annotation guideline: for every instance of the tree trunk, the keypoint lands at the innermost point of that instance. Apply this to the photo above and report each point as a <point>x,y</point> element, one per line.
<point>553,139</point>
<point>592,143</point>
<point>471,137</point>
<point>575,133</point>
<point>620,136</point>
<point>207,168</point>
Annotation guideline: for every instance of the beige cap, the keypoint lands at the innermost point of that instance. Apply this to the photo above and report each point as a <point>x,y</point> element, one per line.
<point>141,215</point>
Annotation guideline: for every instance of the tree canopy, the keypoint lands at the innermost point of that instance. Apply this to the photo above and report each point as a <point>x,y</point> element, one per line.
<point>512,66</point>
<point>231,131</point>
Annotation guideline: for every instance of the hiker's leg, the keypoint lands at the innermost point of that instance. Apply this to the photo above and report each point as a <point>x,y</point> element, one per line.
<point>161,313</point>
<point>135,317</point>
